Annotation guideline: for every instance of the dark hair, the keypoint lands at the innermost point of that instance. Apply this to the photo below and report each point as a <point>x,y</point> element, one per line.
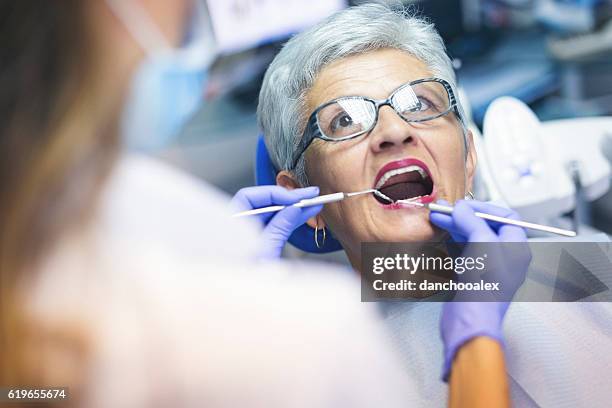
<point>48,137</point>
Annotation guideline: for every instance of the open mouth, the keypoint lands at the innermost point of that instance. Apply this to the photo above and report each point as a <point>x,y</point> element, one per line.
<point>403,180</point>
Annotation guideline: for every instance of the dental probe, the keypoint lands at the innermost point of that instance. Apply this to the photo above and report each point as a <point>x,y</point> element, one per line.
<point>308,202</point>
<point>446,209</point>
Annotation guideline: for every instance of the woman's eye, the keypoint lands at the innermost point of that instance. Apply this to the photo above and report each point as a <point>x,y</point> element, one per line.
<point>341,121</point>
<point>425,105</point>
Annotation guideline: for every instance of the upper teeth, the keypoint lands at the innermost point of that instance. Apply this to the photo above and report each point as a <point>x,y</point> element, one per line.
<point>395,172</point>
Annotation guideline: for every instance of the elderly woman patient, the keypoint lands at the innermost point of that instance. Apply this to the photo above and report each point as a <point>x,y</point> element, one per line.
<point>367,99</point>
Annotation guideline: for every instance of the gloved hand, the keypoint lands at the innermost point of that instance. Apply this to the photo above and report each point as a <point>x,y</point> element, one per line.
<point>277,226</point>
<point>463,320</point>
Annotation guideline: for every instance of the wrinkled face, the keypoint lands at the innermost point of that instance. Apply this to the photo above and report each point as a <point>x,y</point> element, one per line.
<point>400,159</point>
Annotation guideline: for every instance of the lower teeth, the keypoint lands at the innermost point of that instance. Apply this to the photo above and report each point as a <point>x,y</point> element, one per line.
<point>390,201</point>
<point>384,197</point>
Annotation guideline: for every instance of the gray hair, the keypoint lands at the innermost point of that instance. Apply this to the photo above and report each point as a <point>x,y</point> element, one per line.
<point>281,110</point>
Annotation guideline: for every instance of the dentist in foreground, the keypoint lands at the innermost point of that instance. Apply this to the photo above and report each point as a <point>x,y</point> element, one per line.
<point>127,281</point>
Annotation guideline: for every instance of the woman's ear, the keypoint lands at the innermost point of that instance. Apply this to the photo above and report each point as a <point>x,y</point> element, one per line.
<point>287,180</point>
<point>316,222</point>
<point>471,161</point>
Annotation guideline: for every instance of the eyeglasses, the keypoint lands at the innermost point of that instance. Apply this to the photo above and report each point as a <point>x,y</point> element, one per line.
<point>352,116</point>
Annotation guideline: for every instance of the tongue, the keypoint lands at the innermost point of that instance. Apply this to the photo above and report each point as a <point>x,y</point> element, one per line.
<point>403,191</point>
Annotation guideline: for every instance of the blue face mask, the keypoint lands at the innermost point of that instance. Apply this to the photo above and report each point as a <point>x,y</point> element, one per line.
<point>168,87</point>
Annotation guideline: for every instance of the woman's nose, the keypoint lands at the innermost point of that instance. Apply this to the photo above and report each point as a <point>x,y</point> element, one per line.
<point>391,131</point>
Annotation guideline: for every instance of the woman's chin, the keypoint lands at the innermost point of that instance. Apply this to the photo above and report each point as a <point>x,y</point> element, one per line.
<point>417,232</point>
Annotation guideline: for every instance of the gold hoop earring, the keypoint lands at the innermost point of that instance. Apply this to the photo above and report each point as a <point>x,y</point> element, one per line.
<point>469,195</point>
<point>316,237</point>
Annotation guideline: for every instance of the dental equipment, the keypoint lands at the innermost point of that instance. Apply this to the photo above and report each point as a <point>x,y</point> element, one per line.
<point>324,199</point>
<point>446,209</point>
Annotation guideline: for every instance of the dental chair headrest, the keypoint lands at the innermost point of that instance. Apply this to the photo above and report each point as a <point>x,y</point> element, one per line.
<point>303,237</point>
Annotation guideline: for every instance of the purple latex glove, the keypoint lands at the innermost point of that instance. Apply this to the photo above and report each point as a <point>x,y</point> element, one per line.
<point>277,226</point>
<point>462,321</point>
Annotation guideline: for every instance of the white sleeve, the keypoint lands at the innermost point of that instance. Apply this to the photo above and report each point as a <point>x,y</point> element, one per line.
<point>256,336</point>
<point>148,201</point>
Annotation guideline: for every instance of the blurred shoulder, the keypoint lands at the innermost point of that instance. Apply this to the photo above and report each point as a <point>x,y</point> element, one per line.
<point>147,199</point>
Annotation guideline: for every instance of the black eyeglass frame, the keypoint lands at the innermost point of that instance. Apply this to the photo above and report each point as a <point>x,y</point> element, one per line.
<point>313,130</point>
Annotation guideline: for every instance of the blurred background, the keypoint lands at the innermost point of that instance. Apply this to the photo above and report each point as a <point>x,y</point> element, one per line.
<point>554,55</point>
